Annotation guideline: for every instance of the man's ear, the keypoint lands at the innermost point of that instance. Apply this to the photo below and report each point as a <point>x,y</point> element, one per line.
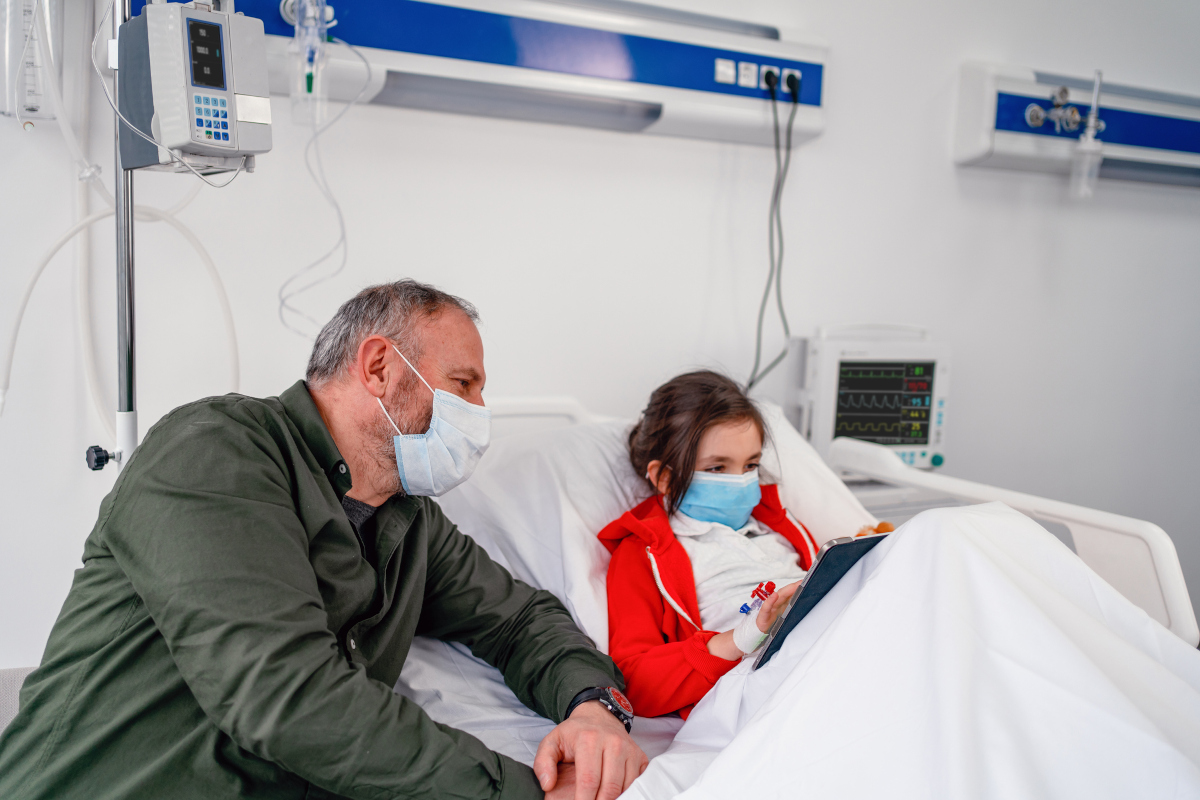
<point>374,369</point>
<point>658,475</point>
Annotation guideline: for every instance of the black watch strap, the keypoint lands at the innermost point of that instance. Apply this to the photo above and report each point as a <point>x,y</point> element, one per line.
<point>612,699</point>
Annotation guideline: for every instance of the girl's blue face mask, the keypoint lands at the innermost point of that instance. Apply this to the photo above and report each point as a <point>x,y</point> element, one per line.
<point>727,499</point>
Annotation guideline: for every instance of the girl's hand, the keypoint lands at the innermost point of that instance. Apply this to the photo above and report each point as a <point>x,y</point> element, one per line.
<point>774,605</point>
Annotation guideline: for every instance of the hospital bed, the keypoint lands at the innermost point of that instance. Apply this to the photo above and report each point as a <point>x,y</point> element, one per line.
<point>557,473</point>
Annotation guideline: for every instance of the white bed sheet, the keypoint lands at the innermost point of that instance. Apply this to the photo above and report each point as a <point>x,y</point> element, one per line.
<point>459,690</point>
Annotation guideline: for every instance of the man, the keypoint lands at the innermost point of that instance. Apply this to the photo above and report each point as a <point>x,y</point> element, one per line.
<point>255,579</point>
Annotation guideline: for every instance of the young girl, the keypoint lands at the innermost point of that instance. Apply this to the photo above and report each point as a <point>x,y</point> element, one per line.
<point>686,562</point>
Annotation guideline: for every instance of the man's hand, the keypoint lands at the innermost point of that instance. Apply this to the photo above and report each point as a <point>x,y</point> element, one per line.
<point>602,760</point>
<point>564,787</point>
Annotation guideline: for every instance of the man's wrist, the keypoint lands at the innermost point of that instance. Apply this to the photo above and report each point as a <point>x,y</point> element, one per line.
<point>610,699</point>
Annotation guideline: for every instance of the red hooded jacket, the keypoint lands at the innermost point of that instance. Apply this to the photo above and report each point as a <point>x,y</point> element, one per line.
<point>664,654</point>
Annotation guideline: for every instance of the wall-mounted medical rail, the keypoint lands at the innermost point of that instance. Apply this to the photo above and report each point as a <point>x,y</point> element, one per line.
<point>1019,118</point>
<point>603,64</point>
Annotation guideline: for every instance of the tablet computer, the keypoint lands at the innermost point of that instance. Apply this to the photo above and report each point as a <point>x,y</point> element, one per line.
<point>834,560</point>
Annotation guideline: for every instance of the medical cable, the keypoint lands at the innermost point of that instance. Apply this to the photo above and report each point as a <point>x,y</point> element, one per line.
<point>312,154</point>
<point>787,332</point>
<point>775,232</point>
<point>144,213</point>
<point>134,128</point>
<point>772,81</point>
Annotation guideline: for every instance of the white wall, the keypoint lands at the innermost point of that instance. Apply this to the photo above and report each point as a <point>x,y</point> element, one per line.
<point>604,263</point>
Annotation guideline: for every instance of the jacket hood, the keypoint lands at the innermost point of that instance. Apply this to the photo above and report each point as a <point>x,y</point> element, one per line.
<point>646,521</point>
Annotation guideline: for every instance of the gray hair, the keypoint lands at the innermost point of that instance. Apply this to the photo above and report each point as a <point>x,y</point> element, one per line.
<point>391,310</point>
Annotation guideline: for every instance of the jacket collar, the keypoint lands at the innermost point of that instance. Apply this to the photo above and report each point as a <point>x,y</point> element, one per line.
<point>303,412</point>
<point>683,525</point>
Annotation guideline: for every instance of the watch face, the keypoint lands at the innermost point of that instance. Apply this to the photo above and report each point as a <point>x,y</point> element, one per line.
<point>621,700</point>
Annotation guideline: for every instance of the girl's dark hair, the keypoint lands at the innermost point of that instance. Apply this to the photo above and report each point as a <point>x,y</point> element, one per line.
<point>675,419</point>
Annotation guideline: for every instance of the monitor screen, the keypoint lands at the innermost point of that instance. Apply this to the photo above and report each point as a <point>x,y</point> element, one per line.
<point>886,402</point>
<point>204,42</point>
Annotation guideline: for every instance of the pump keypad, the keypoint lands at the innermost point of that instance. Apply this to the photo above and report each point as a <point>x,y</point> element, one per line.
<point>211,118</point>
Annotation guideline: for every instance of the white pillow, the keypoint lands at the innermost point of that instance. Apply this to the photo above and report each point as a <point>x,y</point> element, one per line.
<point>537,501</point>
<point>807,486</point>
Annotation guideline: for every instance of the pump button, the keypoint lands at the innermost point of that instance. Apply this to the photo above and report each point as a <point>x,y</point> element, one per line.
<point>937,460</point>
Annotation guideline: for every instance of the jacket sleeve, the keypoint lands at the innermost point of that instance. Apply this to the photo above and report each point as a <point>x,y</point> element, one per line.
<point>204,523</point>
<point>662,676</point>
<point>525,633</point>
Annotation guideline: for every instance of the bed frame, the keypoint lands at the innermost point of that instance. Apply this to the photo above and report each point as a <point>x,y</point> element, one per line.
<point>1135,556</point>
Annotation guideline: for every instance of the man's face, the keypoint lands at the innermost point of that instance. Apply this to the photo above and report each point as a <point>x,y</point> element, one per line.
<point>452,357</point>
<point>451,360</point>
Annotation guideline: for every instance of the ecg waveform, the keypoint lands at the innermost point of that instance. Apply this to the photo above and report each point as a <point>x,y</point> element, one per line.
<point>886,402</point>
<point>871,427</point>
<point>870,401</point>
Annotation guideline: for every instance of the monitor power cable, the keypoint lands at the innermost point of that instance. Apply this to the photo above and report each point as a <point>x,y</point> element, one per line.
<point>783,163</point>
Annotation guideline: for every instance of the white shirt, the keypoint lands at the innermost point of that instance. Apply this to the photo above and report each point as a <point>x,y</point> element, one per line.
<point>729,564</point>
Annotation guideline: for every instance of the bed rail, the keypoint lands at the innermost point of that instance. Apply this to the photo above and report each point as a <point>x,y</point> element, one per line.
<point>1135,556</point>
<point>513,415</point>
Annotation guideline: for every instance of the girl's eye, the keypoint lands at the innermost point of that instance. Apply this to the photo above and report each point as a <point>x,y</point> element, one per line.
<point>718,468</point>
<point>752,466</point>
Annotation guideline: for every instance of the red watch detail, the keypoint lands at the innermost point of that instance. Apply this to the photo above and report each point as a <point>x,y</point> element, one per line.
<point>621,700</point>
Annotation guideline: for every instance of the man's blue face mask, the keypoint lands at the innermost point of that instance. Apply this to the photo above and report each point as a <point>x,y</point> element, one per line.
<point>434,462</point>
<point>727,499</point>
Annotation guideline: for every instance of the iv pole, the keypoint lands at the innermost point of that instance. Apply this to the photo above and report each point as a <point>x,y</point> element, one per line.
<point>98,457</point>
<point>126,364</point>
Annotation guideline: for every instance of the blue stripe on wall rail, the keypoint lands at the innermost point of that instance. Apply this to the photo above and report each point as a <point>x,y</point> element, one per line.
<point>1133,128</point>
<point>461,33</point>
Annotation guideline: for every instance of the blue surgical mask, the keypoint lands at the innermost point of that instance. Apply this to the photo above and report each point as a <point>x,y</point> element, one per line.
<point>727,499</point>
<point>434,462</point>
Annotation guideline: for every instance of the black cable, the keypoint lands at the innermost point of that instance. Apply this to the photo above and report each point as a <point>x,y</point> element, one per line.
<point>771,79</point>
<point>787,163</point>
<point>775,274</point>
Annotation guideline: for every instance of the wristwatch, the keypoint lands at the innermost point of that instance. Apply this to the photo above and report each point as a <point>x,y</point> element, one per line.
<point>611,698</point>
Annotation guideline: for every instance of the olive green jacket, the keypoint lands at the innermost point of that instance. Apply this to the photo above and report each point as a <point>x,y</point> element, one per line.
<point>228,637</point>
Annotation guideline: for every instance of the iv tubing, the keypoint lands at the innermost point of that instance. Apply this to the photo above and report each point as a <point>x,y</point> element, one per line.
<point>144,213</point>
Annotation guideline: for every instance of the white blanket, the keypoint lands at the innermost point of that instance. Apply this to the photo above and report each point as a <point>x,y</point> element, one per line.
<point>971,655</point>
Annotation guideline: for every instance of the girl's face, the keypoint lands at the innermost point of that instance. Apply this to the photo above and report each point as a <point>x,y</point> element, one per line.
<point>730,448</point>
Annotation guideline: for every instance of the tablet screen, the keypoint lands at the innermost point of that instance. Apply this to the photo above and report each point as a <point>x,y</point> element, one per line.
<point>836,558</point>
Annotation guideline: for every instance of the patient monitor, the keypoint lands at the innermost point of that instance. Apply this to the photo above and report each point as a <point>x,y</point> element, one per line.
<point>881,384</point>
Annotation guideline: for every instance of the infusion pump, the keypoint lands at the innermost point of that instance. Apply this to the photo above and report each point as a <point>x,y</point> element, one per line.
<point>193,77</point>
<point>879,384</point>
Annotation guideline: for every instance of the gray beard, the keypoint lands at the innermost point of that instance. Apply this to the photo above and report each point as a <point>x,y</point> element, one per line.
<point>411,417</point>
